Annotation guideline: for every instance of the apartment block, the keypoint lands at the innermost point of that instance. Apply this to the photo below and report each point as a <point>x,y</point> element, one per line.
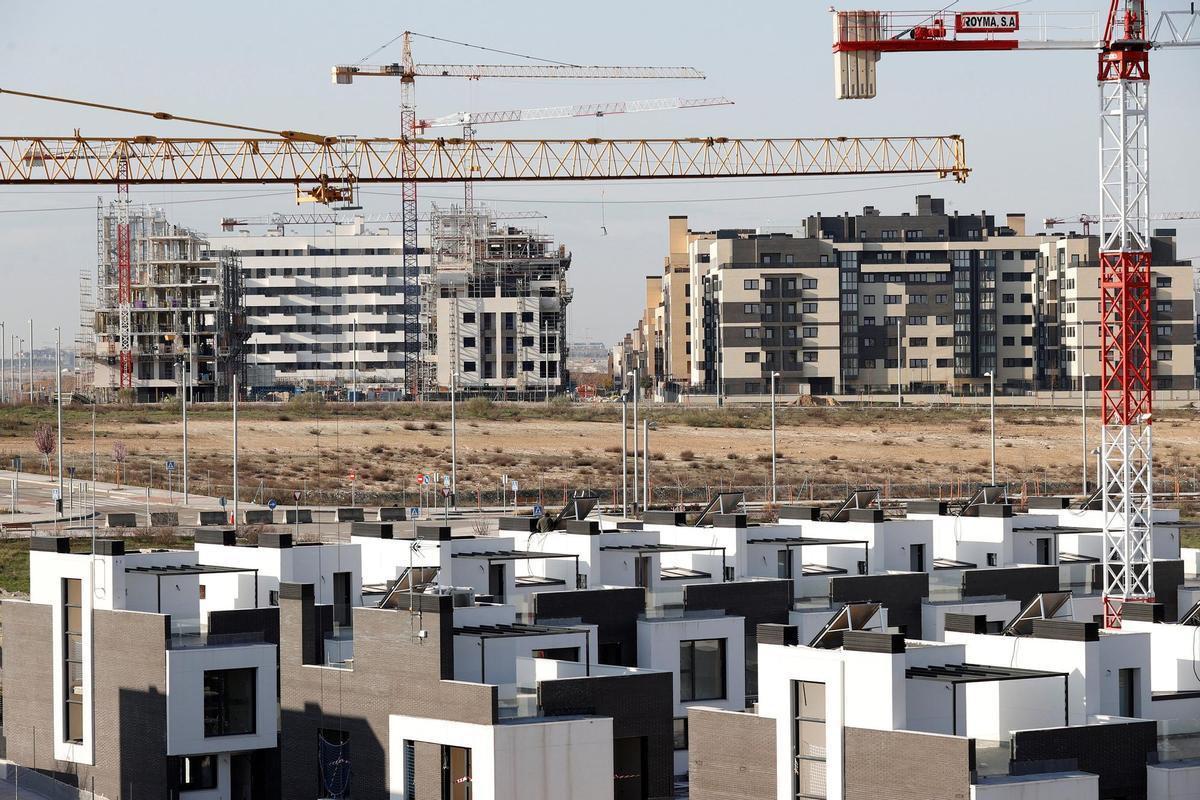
<point>496,322</point>
<point>186,310</point>
<point>926,301</point>
<point>325,305</point>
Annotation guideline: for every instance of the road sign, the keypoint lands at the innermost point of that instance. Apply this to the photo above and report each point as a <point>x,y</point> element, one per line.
<point>222,501</point>
<point>350,476</point>
<point>446,480</point>
<point>446,492</point>
<point>16,462</point>
<point>538,511</point>
<point>514,488</point>
<point>56,494</point>
<point>271,504</point>
<point>71,471</point>
<point>420,480</point>
<point>296,495</point>
<point>413,512</point>
<point>170,466</point>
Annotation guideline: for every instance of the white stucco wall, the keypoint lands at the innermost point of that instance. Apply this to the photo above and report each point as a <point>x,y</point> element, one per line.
<point>1053,786</point>
<point>185,698</point>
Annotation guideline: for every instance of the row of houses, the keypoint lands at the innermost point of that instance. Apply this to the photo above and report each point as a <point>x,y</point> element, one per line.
<point>945,651</point>
<point>927,301</point>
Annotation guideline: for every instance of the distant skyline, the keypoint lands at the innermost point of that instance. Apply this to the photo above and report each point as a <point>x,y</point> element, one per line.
<point>1029,120</point>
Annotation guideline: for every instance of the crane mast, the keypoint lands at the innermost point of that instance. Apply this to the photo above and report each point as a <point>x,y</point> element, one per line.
<point>1126,298</point>
<point>124,279</point>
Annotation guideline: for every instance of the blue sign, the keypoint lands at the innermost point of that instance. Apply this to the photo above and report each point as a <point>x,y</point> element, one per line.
<point>170,466</point>
<point>222,502</point>
<point>538,511</point>
<point>271,504</point>
<point>413,512</point>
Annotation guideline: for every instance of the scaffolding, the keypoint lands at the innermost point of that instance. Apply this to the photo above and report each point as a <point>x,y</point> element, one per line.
<point>187,316</point>
<point>513,283</point>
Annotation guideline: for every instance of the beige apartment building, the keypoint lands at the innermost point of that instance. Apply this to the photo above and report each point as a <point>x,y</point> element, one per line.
<point>927,301</point>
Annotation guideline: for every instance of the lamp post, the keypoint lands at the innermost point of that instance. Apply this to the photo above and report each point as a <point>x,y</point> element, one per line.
<point>899,362</point>
<point>31,362</point>
<point>1083,429</point>
<point>235,451</point>
<point>991,376</point>
<point>624,458</point>
<point>354,357</point>
<point>3,364</point>
<point>183,397</point>
<point>774,375</point>
<point>634,390</point>
<point>58,412</point>
<point>453,433</point>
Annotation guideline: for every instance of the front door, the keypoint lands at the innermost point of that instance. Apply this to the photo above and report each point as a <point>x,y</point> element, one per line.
<point>629,768</point>
<point>642,568</point>
<point>916,557</point>
<point>496,580</point>
<point>341,598</point>
<point>1043,550</point>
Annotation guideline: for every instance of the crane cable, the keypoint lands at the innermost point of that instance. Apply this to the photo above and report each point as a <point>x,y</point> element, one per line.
<point>299,136</point>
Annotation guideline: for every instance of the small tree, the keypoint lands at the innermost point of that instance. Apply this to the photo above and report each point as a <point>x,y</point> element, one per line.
<point>119,454</point>
<point>43,438</point>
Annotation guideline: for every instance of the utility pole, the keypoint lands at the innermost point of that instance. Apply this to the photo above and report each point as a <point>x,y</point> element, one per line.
<point>634,389</point>
<point>645,465</point>
<point>354,361</point>
<point>1083,429</point>
<point>3,365</point>
<point>991,376</point>
<point>58,394</point>
<point>624,458</point>
<point>235,451</point>
<point>774,483</point>
<point>183,394</point>
<point>30,362</point>
<point>453,433</point>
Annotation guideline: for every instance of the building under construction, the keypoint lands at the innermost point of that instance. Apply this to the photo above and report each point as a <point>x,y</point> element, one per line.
<point>186,319</point>
<point>493,308</point>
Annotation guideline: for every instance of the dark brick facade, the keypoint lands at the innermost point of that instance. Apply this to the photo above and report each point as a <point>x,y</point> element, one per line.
<point>759,602</point>
<point>1118,753</point>
<point>730,756</point>
<point>130,704</point>
<point>641,707</point>
<point>1015,583</point>
<point>902,765</point>
<point>396,671</point>
<point>901,594</point>
<point>614,612</point>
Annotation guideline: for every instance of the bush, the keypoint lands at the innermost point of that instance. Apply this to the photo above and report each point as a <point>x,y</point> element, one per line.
<point>411,426</point>
<point>732,456</point>
<point>307,401</point>
<point>431,426</point>
<point>686,455</point>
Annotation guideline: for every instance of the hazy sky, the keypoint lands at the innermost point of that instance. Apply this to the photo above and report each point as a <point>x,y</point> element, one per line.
<point>1029,120</point>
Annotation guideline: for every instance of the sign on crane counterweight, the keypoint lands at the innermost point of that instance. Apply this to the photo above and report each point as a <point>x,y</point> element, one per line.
<point>987,21</point>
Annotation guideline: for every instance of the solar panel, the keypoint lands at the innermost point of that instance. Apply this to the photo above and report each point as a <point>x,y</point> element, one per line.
<point>850,617</point>
<point>1047,605</point>
<point>859,498</point>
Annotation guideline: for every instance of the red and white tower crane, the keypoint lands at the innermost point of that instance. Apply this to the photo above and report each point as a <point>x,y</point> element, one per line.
<point>1126,291</point>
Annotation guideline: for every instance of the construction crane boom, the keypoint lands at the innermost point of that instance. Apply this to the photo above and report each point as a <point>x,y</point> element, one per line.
<point>346,73</point>
<point>229,223</point>
<point>1088,220</point>
<point>564,112</point>
<point>149,159</point>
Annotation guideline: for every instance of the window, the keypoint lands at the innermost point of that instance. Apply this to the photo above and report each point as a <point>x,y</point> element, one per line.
<point>681,733</point>
<point>769,285</point>
<point>456,773</point>
<point>526,316</point>
<point>918,341</point>
<point>1007,298</point>
<point>939,298</point>
<point>469,317</point>
<point>1163,308</point>
<point>468,341</point>
<point>789,284</point>
<point>991,559</point>
<point>702,670</point>
<point>750,283</point>
<point>918,320</point>
<point>1162,283</point>
<point>868,363</point>
<point>229,701</point>
<point>750,333</point>
<point>750,308</point>
<point>558,653</point>
<point>468,366</point>
<point>790,308</point>
<point>1162,355</point>
<point>72,595</point>
<point>197,772</point>
<point>809,332</point>
<point>868,299</point>
<point>810,356</point>
<point>808,308</point>
<point>808,283</point>
<point>919,299</point>
<point>808,740</point>
<point>918,363</point>
<point>891,299</point>
<point>752,358</point>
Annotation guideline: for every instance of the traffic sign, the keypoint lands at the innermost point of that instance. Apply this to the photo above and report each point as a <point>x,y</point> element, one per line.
<point>56,494</point>
<point>351,475</point>
<point>170,466</point>
<point>413,512</point>
<point>16,462</point>
<point>71,471</point>
<point>538,511</point>
<point>514,488</point>
<point>446,492</point>
<point>420,480</point>
<point>296,495</point>
<point>271,504</point>
<point>222,501</point>
<point>445,480</point>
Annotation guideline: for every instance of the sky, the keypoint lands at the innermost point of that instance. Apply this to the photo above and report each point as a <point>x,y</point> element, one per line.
<point>1029,120</point>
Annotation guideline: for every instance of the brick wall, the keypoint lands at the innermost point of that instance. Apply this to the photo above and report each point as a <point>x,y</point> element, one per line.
<point>731,756</point>
<point>901,594</point>
<point>130,679</point>
<point>614,612</point>
<point>902,765</point>
<point>395,671</point>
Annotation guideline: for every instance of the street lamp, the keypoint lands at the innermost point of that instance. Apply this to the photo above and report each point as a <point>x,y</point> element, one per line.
<point>991,376</point>
<point>1083,429</point>
<point>453,434</point>
<point>634,390</point>
<point>774,375</point>
<point>58,398</point>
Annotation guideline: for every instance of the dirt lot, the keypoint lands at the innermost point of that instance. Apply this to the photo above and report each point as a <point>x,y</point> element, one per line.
<point>556,446</point>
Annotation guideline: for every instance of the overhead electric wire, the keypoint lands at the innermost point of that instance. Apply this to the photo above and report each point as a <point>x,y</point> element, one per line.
<point>431,37</point>
<point>166,203</point>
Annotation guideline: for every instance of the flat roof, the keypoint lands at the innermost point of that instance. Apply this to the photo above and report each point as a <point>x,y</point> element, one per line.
<point>514,629</point>
<point>188,569</point>
<point>1055,529</point>
<point>801,542</point>
<point>659,548</point>
<point>511,555</point>
<point>951,563</point>
<point>976,673</point>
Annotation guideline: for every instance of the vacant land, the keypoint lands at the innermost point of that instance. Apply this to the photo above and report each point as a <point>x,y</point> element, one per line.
<point>558,446</point>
